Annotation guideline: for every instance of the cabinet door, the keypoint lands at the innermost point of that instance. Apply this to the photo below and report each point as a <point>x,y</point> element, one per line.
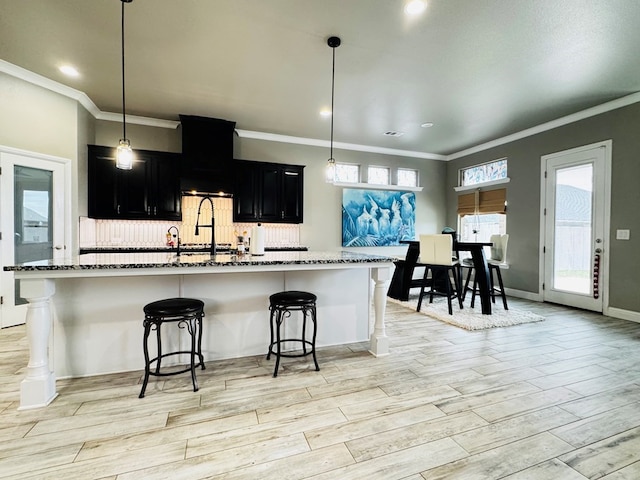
<point>103,183</point>
<point>133,189</point>
<point>165,187</point>
<point>270,195</point>
<point>245,196</point>
<point>292,194</point>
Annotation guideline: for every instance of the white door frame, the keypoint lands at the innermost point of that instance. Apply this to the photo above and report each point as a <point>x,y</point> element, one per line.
<point>10,314</point>
<point>604,264</point>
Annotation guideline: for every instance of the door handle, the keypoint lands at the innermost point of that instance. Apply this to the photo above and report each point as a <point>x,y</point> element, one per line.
<point>59,247</point>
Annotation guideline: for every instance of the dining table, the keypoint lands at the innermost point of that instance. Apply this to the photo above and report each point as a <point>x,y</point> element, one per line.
<point>402,282</point>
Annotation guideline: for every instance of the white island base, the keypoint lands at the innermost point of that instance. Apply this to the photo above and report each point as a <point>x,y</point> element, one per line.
<point>96,315</point>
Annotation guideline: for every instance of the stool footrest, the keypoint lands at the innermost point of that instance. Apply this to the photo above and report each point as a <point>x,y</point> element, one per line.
<point>200,363</point>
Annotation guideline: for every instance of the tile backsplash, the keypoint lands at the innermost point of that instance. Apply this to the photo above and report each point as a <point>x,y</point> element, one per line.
<point>152,233</point>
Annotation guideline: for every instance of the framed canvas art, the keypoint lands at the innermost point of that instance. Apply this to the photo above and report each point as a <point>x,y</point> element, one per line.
<point>377,218</point>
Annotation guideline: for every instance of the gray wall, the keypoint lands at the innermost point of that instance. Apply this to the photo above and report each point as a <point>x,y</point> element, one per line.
<point>523,197</point>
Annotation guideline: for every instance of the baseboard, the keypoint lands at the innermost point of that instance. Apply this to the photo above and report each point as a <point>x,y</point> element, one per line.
<point>535,297</point>
<point>623,314</point>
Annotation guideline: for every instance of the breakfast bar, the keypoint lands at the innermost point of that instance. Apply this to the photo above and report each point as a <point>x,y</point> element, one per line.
<point>85,313</point>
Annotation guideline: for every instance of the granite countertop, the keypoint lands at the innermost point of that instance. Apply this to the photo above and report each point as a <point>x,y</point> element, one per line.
<point>106,261</point>
<point>223,248</point>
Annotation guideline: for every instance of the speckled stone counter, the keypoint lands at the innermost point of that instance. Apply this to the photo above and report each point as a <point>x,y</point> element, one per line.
<point>186,260</point>
<point>92,304</point>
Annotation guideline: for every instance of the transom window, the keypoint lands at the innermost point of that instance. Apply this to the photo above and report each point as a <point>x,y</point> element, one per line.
<point>407,177</point>
<point>378,175</point>
<point>487,172</point>
<point>347,173</point>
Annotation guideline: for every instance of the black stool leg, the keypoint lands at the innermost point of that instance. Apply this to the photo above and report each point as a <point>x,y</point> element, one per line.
<point>304,330</point>
<point>457,280</point>
<point>279,319</point>
<point>271,319</point>
<point>424,281</point>
<point>193,325</point>
<point>159,341</point>
<point>504,296</point>
<point>199,326</point>
<point>450,307</point>
<point>313,341</point>
<point>466,285</point>
<point>145,348</point>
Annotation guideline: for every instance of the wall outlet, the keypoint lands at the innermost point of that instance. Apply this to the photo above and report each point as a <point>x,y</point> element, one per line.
<point>622,234</point>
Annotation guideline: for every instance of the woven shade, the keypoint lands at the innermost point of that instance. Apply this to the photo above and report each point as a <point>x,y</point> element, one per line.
<point>490,201</point>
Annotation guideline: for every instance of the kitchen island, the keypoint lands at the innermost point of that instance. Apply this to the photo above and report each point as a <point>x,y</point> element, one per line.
<point>85,313</point>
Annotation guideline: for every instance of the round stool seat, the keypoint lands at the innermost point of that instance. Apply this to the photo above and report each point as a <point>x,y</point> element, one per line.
<point>171,307</point>
<point>292,298</point>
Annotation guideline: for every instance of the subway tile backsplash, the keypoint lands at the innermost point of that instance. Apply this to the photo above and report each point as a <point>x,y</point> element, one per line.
<point>151,233</point>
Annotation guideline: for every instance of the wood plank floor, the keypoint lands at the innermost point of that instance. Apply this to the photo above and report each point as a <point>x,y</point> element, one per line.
<point>559,399</point>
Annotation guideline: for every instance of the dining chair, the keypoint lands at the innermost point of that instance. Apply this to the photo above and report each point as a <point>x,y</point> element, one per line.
<point>497,259</point>
<point>436,257</point>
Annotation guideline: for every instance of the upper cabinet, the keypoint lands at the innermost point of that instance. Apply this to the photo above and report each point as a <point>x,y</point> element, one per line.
<point>149,191</point>
<point>207,154</point>
<point>268,192</point>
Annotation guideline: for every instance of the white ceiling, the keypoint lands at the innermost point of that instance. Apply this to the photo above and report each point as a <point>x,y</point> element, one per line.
<point>478,69</point>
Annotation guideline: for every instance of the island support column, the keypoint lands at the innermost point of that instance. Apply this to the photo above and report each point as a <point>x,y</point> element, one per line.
<point>38,389</point>
<point>379,341</point>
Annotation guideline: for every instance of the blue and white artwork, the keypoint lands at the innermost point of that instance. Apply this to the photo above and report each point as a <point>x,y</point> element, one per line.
<point>377,218</point>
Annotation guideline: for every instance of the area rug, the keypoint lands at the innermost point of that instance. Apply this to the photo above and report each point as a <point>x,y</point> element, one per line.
<point>470,318</point>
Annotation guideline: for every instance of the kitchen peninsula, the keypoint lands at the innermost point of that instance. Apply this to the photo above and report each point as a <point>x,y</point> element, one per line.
<point>92,305</point>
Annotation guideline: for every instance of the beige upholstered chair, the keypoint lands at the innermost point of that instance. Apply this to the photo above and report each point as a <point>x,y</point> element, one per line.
<point>497,259</point>
<point>436,257</point>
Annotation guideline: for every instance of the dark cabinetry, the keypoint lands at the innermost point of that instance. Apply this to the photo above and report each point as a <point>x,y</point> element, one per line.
<point>207,153</point>
<point>149,191</point>
<point>268,192</point>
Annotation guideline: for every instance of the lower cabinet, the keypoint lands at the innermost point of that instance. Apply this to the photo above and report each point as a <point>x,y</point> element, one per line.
<point>268,192</point>
<point>149,191</point>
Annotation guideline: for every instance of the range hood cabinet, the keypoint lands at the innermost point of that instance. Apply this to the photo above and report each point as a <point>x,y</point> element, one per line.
<point>207,154</point>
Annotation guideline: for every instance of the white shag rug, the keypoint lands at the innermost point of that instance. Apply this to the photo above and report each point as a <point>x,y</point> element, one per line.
<point>470,318</point>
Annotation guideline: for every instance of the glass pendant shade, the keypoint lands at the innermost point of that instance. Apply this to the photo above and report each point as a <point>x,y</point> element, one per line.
<point>124,155</point>
<point>330,171</point>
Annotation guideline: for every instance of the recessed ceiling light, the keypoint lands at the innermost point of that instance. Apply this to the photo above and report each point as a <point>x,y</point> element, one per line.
<point>325,112</point>
<point>69,70</point>
<point>427,125</point>
<point>415,7</point>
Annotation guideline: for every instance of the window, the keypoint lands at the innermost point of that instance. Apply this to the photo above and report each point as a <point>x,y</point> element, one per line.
<point>407,177</point>
<point>482,214</point>
<point>378,175</point>
<point>347,173</point>
<point>487,172</point>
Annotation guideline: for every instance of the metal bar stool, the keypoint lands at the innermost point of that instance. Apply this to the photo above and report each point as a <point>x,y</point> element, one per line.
<point>187,313</point>
<point>281,305</point>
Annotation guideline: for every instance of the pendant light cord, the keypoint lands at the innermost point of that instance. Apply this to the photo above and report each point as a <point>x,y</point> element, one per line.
<point>124,124</point>
<point>333,81</point>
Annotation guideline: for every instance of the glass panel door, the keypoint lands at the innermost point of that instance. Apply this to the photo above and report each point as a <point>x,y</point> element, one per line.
<point>32,216</point>
<point>573,229</point>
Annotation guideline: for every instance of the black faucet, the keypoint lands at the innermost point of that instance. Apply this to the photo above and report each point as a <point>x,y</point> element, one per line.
<point>212,226</point>
<point>176,236</point>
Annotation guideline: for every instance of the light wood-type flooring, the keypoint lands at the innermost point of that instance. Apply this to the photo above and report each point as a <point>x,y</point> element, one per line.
<point>559,399</point>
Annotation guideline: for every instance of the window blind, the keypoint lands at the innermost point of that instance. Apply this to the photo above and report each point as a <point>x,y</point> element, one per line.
<point>481,202</point>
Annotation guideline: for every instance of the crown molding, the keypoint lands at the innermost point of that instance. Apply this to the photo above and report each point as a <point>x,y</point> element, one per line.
<point>559,122</point>
<point>91,107</point>
<point>136,120</point>
<point>272,137</point>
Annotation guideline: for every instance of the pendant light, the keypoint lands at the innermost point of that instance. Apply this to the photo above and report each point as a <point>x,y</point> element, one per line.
<point>330,172</point>
<point>124,154</point>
